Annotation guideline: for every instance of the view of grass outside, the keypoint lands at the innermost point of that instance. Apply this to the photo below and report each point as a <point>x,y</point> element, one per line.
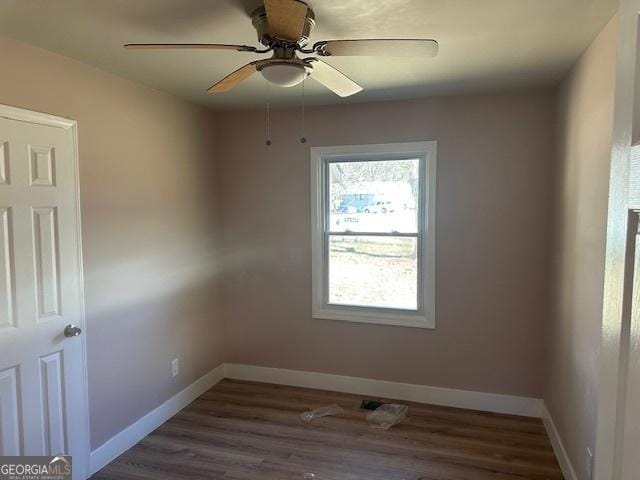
<point>374,197</point>
<point>373,271</point>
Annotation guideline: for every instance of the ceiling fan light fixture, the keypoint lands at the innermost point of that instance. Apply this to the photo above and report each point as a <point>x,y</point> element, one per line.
<point>284,74</point>
<point>284,27</point>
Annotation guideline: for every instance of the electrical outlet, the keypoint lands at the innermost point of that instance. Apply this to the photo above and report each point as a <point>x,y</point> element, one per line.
<point>589,465</point>
<point>175,367</point>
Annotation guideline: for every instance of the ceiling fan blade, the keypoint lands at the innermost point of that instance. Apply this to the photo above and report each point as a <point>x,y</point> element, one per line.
<point>286,18</point>
<point>333,79</point>
<point>370,48</point>
<point>233,79</point>
<point>188,46</point>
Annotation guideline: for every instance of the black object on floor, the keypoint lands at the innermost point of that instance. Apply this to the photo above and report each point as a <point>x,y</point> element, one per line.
<point>370,404</point>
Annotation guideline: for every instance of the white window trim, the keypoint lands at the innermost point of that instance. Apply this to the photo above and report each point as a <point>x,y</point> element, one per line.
<point>425,316</point>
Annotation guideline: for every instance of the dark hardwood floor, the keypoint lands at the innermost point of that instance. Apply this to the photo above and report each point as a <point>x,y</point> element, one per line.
<point>250,431</point>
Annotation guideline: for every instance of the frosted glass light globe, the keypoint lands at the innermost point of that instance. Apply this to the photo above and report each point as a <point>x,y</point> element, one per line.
<point>284,74</point>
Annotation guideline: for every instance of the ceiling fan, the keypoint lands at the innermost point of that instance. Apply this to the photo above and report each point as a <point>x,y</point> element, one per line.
<point>284,27</point>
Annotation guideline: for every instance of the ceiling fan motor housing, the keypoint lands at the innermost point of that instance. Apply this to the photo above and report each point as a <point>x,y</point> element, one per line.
<point>260,23</point>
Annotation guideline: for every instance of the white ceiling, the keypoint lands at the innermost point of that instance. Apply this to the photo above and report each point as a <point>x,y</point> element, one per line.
<point>484,44</point>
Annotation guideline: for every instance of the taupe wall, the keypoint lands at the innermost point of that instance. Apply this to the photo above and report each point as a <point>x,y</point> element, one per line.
<point>175,197</point>
<point>149,229</point>
<point>585,117</point>
<point>494,186</point>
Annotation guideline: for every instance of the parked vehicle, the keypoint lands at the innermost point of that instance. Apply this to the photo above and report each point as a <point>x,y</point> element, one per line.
<point>356,202</point>
<point>346,209</point>
<point>381,207</point>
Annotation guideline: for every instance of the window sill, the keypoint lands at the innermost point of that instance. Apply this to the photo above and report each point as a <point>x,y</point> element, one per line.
<point>393,318</point>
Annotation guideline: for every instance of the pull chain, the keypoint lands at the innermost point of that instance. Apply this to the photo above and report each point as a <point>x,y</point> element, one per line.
<point>303,139</point>
<point>268,142</point>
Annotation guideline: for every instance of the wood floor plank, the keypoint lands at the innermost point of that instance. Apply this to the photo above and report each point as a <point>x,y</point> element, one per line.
<point>361,434</point>
<point>248,431</point>
<point>470,417</point>
<point>423,423</point>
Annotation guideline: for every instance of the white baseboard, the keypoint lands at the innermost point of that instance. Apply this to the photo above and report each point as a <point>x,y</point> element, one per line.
<point>487,402</point>
<point>127,438</point>
<point>558,447</point>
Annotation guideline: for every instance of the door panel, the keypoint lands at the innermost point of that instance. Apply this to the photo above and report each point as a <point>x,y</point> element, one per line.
<point>42,372</point>
<point>7,284</point>
<point>10,441</point>
<point>4,161</point>
<point>45,243</point>
<point>52,395</point>
<point>42,165</point>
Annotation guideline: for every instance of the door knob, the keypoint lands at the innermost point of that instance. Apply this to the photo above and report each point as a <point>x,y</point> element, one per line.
<point>72,331</point>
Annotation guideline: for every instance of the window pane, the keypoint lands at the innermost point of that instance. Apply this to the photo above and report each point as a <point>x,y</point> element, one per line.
<point>374,196</point>
<point>372,271</point>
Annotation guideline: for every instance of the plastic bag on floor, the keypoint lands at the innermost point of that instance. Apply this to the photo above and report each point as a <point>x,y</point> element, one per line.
<point>321,412</point>
<point>387,415</point>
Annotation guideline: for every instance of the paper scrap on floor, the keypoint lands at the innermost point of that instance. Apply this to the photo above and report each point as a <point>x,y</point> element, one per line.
<point>387,415</point>
<point>321,412</point>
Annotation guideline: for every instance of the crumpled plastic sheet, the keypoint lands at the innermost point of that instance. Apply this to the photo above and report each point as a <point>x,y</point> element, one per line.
<point>387,415</point>
<point>321,412</point>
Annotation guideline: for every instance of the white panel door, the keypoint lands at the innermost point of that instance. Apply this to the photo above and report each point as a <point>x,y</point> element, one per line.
<point>42,370</point>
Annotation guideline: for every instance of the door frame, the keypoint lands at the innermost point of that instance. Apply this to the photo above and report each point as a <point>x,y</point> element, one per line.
<point>20,114</point>
<point>616,316</point>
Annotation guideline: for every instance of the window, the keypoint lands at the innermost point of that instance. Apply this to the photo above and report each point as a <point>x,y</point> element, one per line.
<point>373,233</point>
